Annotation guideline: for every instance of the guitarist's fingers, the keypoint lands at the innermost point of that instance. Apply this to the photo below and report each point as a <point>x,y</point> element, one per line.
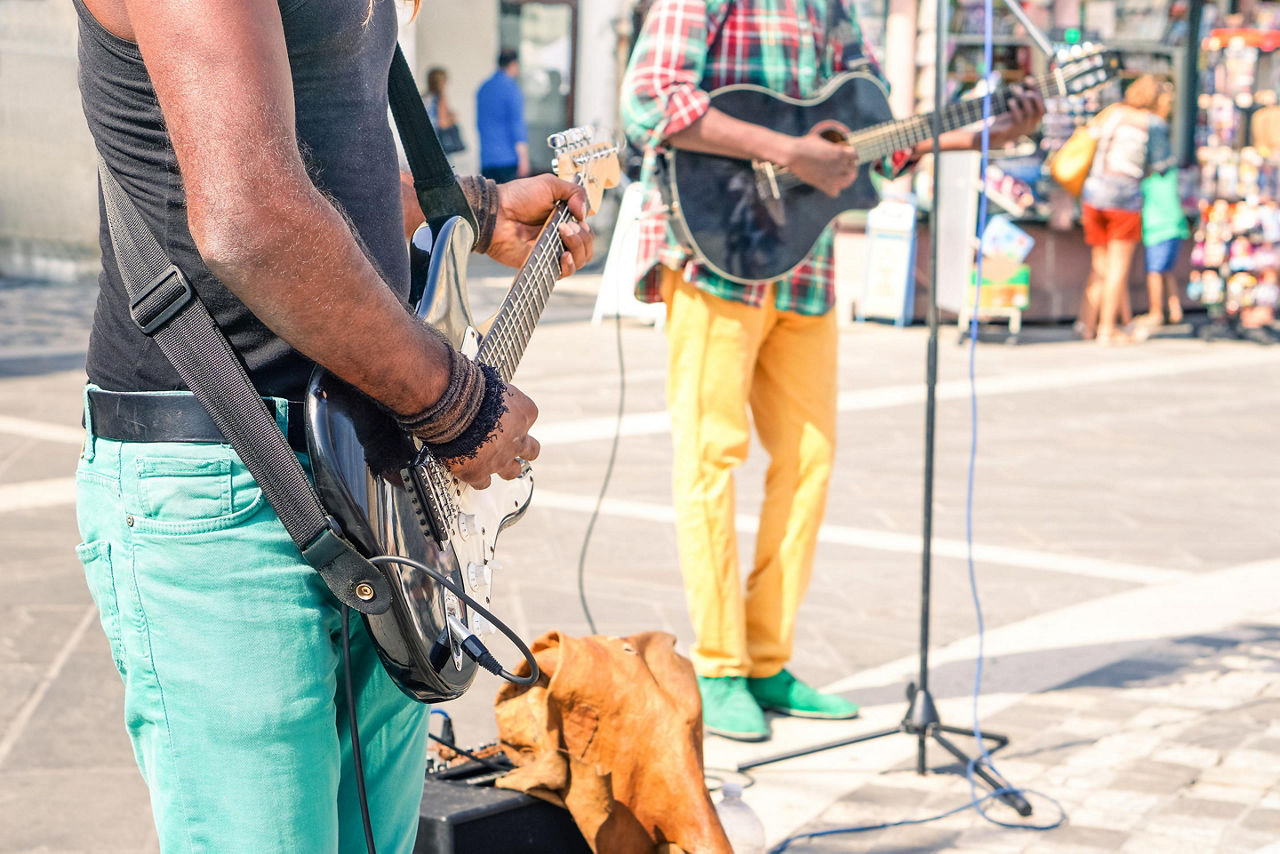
<point>479,482</point>
<point>579,244</point>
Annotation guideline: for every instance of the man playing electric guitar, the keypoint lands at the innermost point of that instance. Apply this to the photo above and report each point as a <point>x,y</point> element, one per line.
<point>770,346</point>
<point>252,135</point>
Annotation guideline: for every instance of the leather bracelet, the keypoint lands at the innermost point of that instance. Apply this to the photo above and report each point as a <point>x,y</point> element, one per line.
<point>485,423</point>
<point>446,419</point>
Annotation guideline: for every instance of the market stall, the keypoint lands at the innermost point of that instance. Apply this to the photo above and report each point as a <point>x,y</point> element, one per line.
<point>1236,274</point>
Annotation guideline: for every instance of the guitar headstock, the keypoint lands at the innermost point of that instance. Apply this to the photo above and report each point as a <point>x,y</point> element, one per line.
<point>1082,67</point>
<point>581,159</point>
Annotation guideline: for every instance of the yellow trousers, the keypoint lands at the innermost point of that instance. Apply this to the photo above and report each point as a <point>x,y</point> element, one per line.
<point>724,357</point>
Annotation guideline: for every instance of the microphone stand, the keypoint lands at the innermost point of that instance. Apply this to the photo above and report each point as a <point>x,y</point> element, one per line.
<point>921,720</point>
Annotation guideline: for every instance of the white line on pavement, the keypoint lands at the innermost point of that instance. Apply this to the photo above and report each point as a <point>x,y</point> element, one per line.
<point>34,494</point>
<point>652,423</point>
<point>885,397</point>
<point>42,430</point>
<point>887,541</point>
<point>59,491</point>
<point>19,723</point>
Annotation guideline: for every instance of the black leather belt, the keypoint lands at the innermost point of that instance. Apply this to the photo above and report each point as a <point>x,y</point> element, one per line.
<point>144,416</point>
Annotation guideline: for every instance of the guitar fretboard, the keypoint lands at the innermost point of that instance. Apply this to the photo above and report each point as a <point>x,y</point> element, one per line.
<point>880,141</point>
<point>513,325</point>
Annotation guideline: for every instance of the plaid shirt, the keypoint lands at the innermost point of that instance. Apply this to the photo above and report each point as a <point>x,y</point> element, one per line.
<point>691,47</point>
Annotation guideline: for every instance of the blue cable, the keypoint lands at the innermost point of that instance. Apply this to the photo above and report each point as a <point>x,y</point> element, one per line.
<point>984,756</point>
<point>976,802</point>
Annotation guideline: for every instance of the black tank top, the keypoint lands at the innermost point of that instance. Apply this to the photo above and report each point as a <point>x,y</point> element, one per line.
<point>339,63</point>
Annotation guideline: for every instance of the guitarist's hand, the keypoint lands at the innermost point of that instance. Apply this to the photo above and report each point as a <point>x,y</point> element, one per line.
<point>523,208</point>
<point>1026,110</point>
<point>506,447</point>
<point>827,165</point>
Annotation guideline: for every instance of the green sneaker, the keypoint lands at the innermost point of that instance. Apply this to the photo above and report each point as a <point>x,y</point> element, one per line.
<point>728,709</point>
<point>787,695</point>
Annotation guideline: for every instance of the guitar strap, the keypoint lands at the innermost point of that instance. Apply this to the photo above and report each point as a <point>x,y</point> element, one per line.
<point>433,178</point>
<point>165,307</point>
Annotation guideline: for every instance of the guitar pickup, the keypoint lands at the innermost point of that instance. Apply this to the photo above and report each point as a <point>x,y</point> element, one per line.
<point>425,502</point>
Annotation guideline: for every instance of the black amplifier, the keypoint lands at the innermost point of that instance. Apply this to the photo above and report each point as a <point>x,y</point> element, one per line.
<point>462,818</point>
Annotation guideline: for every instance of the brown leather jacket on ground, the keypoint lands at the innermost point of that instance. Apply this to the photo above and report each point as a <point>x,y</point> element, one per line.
<point>613,732</point>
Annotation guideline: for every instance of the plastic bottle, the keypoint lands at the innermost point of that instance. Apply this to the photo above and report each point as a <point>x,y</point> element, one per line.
<point>741,825</point>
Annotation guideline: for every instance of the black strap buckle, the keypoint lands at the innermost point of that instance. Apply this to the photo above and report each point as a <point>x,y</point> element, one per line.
<point>159,301</point>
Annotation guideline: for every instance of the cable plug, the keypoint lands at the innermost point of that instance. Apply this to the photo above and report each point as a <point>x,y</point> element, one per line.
<point>473,647</point>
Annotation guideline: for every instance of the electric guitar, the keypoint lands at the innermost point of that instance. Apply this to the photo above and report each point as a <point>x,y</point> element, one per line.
<point>752,221</point>
<point>391,496</point>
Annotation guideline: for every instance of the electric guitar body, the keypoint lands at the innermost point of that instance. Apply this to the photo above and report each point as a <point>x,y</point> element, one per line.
<point>387,492</point>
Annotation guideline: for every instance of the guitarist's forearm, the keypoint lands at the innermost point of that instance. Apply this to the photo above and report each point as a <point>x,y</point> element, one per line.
<point>719,133</point>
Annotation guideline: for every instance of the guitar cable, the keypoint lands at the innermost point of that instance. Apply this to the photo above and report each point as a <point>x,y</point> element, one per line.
<point>608,474</point>
<point>357,760</point>
<point>471,645</point>
<point>468,640</point>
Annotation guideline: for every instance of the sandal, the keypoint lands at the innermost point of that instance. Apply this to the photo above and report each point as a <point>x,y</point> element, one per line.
<point>1114,339</point>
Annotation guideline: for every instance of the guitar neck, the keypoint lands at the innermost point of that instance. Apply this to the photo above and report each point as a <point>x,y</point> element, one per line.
<point>881,141</point>
<point>513,325</point>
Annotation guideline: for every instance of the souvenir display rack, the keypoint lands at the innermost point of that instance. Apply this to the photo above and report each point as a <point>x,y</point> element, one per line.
<point>1149,36</point>
<point>1236,274</point>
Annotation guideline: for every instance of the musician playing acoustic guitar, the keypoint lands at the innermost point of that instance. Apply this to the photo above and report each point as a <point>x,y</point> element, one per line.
<point>253,136</point>
<point>769,347</point>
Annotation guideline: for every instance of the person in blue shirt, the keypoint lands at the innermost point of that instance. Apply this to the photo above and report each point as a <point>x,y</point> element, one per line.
<point>504,140</point>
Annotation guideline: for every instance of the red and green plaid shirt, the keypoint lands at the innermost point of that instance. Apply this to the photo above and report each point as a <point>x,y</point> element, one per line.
<point>691,47</point>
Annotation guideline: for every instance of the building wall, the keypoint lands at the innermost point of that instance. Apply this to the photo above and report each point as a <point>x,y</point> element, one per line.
<point>462,37</point>
<point>48,191</point>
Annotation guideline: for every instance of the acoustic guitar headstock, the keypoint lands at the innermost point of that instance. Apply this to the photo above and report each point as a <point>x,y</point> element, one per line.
<point>579,158</point>
<point>1081,67</point>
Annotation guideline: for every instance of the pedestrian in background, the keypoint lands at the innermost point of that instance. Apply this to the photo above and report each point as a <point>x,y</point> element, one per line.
<point>504,140</point>
<point>441,114</point>
<point>1133,142</point>
<point>1164,228</point>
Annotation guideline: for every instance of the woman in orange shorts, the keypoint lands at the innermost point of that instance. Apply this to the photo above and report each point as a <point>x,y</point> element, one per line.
<point>1133,142</point>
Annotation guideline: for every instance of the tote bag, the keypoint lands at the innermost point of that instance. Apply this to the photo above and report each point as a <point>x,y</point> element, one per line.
<point>1070,166</point>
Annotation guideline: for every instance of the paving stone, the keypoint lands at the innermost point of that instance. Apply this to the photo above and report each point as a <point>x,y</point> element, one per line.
<point>1267,820</point>
<point>1205,808</point>
<point>1160,843</point>
<point>1186,754</point>
<point>1257,779</point>
<point>1266,745</point>
<point>1219,792</point>
<point>1241,840</point>
<point>1082,836</point>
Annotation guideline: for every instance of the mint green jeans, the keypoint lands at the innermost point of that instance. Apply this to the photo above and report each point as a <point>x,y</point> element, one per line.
<point>230,650</point>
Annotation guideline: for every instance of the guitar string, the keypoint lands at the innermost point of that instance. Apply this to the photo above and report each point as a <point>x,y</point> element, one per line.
<point>901,135</point>
<point>515,308</point>
<point>508,343</point>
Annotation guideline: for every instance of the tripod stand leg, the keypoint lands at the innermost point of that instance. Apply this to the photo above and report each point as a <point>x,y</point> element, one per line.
<point>1013,799</point>
<point>1000,740</point>
<point>831,745</point>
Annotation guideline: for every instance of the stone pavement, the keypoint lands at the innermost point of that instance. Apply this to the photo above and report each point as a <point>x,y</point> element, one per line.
<point>1124,532</point>
<point>1174,751</point>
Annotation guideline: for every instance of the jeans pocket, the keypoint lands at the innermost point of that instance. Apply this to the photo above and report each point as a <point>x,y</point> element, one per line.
<point>181,495</point>
<point>184,490</point>
<point>99,572</point>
